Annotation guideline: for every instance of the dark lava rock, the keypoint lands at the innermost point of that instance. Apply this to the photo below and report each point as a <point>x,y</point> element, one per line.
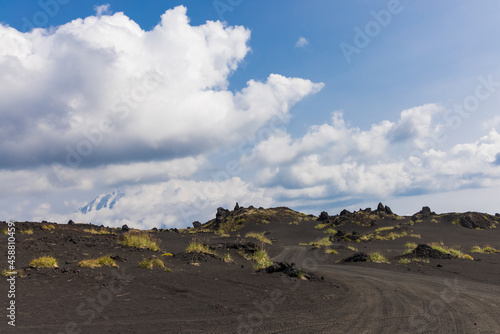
<point>175,230</point>
<point>426,211</point>
<point>125,228</point>
<point>291,270</point>
<point>388,210</point>
<point>196,224</point>
<point>154,229</point>
<point>236,207</point>
<point>358,257</point>
<point>475,220</point>
<point>380,207</point>
<point>323,216</point>
<point>345,213</point>
<point>439,266</point>
<point>340,233</point>
<point>118,258</point>
<point>220,217</point>
<point>426,251</point>
<point>70,222</point>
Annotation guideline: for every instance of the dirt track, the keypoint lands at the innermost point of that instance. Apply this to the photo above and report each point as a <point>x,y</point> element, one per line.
<point>394,302</point>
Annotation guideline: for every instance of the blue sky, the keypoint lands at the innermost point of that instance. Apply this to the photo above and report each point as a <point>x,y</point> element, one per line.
<point>384,123</point>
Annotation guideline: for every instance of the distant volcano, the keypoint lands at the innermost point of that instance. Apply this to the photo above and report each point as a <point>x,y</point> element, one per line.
<point>102,201</point>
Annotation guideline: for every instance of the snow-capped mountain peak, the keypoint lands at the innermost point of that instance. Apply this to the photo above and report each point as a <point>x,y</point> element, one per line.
<point>102,201</point>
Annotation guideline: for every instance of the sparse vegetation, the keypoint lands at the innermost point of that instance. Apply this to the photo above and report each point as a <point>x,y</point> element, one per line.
<point>221,233</point>
<point>94,231</point>
<point>264,221</point>
<point>5,231</point>
<point>7,273</point>
<point>99,262</point>
<point>320,226</point>
<point>197,247</point>
<point>227,258</point>
<point>262,259</point>
<point>405,260</point>
<point>44,262</point>
<point>330,231</point>
<point>325,242</point>
<point>48,227</point>
<point>330,251</point>
<point>377,257</point>
<point>294,223</point>
<point>259,236</point>
<point>140,240</point>
<point>27,231</point>
<point>410,246</point>
<point>354,249</point>
<point>452,251</point>
<point>167,254</point>
<point>150,263</point>
<point>485,250</point>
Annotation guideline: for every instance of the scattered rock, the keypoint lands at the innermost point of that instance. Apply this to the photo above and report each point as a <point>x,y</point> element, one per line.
<point>380,207</point>
<point>125,228</point>
<point>388,210</point>
<point>70,222</point>
<point>323,216</point>
<point>475,220</point>
<point>345,212</point>
<point>236,207</point>
<point>426,251</point>
<point>358,257</point>
<point>291,270</point>
<point>439,266</point>
<point>196,224</point>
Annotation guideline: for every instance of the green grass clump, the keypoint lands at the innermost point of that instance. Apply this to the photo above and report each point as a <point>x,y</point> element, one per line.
<point>405,260</point>
<point>485,250</point>
<point>221,233</point>
<point>452,251</point>
<point>259,236</point>
<point>197,247</point>
<point>28,231</point>
<point>139,240</point>
<point>352,248</point>
<point>377,257</point>
<point>227,258</point>
<point>99,262</point>
<point>320,226</point>
<point>167,254</point>
<point>294,223</point>
<point>44,262</point>
<point>5,231</point>
<point>48,227</point>
<point>150,263</point>
<point>261,259</point>
<point>330,231</point>
<point>330,251</point>
<point>325,242</point>
<point>94,231</point>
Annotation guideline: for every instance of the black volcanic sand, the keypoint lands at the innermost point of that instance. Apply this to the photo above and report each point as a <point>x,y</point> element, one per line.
<point>445,295</point>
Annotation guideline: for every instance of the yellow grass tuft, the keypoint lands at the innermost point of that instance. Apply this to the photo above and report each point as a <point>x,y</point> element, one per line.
<point>99,262</point>
<point>197,247</point>
<point>44,262</point>
<point>259,236</point>
<point>485,250</point>
<point>48,227</point>
<point>320,226</point>
<point>150,263</point>
<point>377,257</point>
<point>262,259</point>
<point>140,240</point>
<point>452,251</point>
<point>94,231</point>
<point>27,231</point>
<point>330,251</point>
<point>167,254</point>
